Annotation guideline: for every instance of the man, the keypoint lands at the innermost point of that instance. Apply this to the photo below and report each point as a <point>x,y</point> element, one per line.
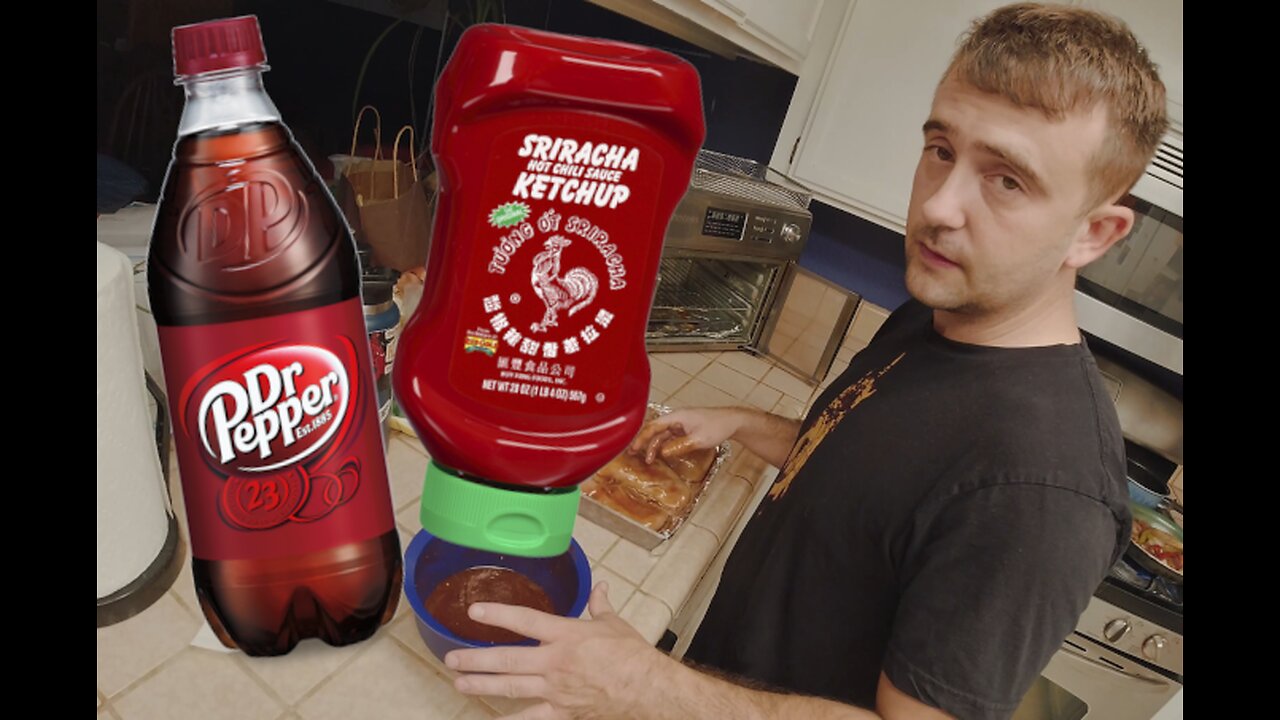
<point>948,507</point>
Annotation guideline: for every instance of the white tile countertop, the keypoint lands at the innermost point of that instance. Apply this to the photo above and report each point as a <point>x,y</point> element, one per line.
<point>148,667</point>
<point>647,587</point>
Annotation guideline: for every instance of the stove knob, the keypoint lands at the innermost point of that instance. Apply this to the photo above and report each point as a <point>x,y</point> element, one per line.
<point>1116,629</point>
<point>790,232</point>
<point>1152,647</point>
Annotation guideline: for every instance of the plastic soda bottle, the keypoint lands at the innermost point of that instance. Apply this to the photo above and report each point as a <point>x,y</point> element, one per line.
<point>255,286</point>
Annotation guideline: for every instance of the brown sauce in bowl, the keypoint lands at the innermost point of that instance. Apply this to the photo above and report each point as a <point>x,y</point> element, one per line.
<point>449,601</point>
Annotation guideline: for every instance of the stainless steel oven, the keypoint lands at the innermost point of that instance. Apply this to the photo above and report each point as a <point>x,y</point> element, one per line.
<point>1088,679</point>
<point>729,280</point>
<point>1132,296</point>
<point>1125,659</point>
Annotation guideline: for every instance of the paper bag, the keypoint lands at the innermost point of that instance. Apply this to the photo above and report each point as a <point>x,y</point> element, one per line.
<point>387,204</point>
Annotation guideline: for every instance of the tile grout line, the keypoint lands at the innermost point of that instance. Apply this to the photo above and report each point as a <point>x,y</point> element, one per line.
<point>412,441</point>
<point>646,593</point>
<point>427,664</point>
<point>680,387</point>
<point>677,390</point>
<point>604,552</point>
<point>617,572</point>
<point>242,663</point>
<point>743,398</point>
<point>122,692</point>
<point>368,643</point>
<point>710,364</point>
<point>193,612</point>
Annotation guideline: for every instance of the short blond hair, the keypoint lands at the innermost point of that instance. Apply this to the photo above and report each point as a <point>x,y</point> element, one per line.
<point>1061,59</point>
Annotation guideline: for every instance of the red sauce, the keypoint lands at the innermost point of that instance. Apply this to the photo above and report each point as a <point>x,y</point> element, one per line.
<point>449,601</point>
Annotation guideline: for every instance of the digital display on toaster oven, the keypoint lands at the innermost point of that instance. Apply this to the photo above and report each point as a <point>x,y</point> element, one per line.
<point>724,223</point>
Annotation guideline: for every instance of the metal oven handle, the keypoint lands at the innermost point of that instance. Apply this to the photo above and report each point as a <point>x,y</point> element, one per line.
<point>1074,648</point>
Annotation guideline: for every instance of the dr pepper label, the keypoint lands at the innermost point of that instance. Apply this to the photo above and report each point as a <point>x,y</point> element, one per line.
<point>275,430</point>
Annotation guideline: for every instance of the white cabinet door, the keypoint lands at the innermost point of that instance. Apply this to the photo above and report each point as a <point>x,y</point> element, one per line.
<point>776,31</point>
<point>863,137</point>
<point>1158,26</point>
<point>789,25</point>
<point>733,8</point>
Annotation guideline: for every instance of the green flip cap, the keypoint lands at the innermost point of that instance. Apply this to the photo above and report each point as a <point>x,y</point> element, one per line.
<point>513,522</point>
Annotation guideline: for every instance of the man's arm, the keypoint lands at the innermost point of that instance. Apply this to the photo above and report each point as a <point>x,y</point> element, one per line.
<point>701,695</point>
<point>603,668</point>
<point>765,434</point>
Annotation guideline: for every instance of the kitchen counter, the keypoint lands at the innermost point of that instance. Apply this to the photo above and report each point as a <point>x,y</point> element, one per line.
<point>648,588</point>
<point>148,666</point>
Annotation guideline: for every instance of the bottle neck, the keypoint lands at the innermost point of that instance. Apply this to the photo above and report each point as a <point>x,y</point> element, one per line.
<point>224,100</point>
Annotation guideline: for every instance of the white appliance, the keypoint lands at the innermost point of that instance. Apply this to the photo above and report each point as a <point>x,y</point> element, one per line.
<point>138,545</point>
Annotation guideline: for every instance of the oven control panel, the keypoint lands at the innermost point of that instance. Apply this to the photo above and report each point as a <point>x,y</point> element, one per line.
<point>724,223</point>
<point>1131,634</point>
<point>749,227</point>
<point>737,227</point>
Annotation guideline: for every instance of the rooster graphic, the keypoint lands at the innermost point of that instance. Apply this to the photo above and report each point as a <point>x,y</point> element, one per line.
<point>572,292</point>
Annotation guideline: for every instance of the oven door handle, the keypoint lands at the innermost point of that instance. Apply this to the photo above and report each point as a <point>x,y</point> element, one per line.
<point>1150,678</point>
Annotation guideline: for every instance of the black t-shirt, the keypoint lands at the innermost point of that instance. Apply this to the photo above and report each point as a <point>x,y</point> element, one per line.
<point>944,517</point>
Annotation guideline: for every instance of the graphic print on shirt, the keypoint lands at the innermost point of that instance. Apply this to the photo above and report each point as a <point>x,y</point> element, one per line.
<point>830,417</point>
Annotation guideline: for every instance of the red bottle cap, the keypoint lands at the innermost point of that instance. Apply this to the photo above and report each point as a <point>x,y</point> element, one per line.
<point>217,45</point>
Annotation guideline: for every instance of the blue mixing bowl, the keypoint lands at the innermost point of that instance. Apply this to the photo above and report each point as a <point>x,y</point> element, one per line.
<point>429,561</point>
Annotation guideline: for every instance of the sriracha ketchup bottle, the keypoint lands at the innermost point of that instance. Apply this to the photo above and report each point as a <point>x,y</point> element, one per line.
<point>255,287</point>
<point>523,370</point>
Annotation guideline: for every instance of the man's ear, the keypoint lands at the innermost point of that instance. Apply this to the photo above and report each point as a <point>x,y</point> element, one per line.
<point>1102,228</point>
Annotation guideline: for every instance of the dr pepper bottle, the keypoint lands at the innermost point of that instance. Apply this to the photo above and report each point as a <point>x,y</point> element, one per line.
<point>255,286</point>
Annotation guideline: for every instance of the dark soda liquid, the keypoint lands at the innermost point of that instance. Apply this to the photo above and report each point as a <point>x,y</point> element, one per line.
<point>291,252</point>
<point>298,254</point>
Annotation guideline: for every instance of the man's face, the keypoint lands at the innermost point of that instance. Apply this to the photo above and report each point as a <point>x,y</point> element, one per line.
<point>997,202</point>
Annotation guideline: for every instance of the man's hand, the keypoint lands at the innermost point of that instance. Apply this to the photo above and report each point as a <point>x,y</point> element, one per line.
<point>599,667</point>
<point>603,668</point>
<point>686,430</point>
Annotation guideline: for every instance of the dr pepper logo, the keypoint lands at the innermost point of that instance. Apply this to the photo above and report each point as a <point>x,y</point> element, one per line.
<point>246,223</point>
<point>269,407</point>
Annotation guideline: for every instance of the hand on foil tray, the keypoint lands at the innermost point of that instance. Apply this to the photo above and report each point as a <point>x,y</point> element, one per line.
<point>655,481</point>
<point>680,434</point>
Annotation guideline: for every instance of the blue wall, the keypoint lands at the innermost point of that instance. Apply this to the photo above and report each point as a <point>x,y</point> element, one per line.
<point>857,255</point>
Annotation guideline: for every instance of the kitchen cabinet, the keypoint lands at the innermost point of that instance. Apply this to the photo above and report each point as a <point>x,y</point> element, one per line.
<point>852,135</point>
<point>1158,25</point>
<point>787,25</point>
<point>858,145</point>
<point>779,33</point>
